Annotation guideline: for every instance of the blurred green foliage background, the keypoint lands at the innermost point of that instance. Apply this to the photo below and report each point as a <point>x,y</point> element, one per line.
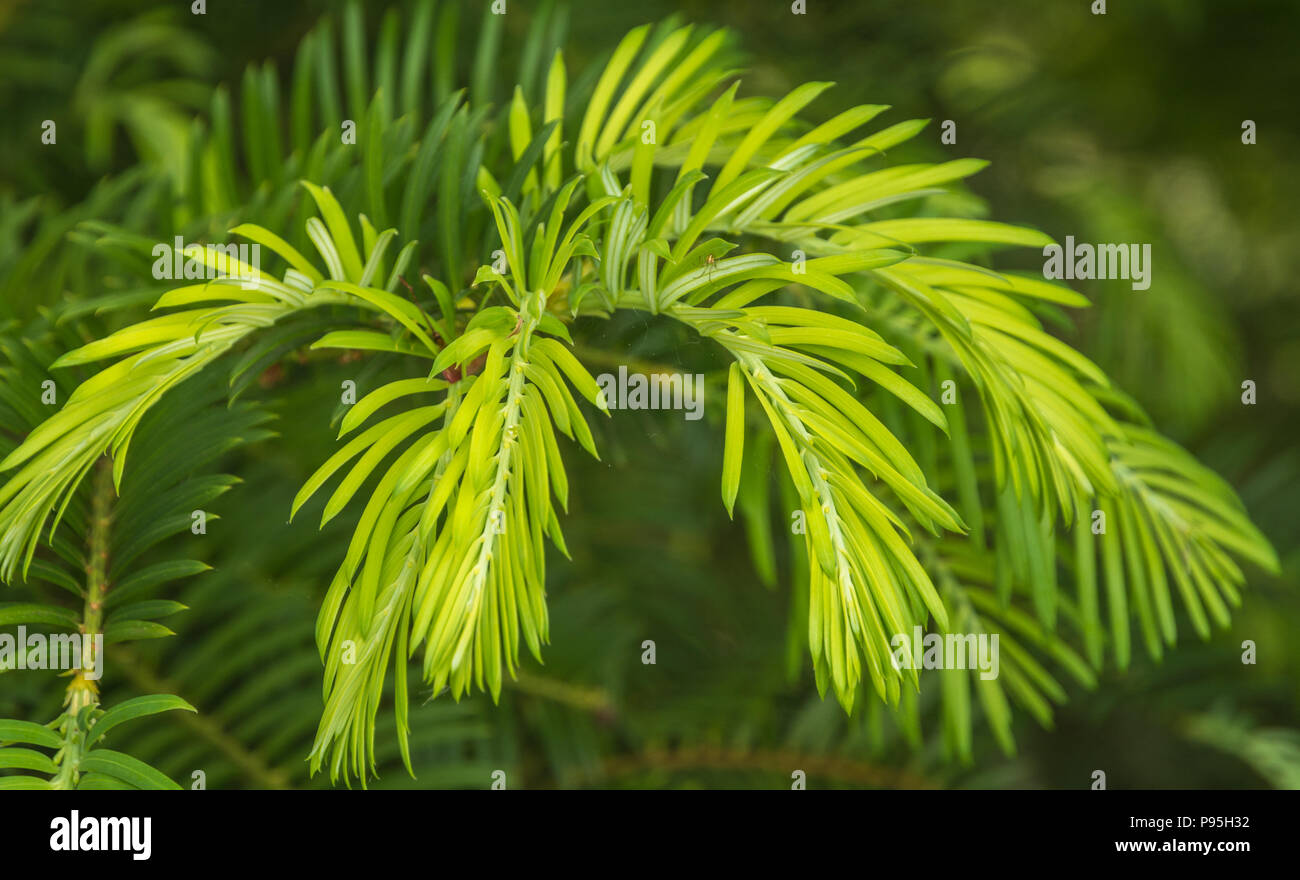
<point>1122,127</point>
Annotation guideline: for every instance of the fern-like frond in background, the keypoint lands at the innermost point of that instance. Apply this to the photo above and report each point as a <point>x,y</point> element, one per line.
<point>103,530</point>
